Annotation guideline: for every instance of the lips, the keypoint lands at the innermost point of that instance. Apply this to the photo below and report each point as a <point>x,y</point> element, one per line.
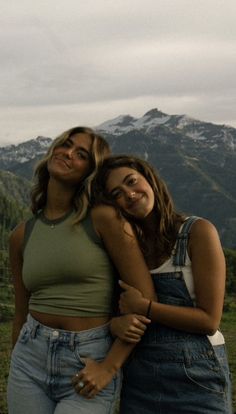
<point>62,160</point>
<point>134,203</point>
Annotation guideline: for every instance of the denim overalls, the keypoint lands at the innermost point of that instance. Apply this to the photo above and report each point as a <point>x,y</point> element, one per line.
<point>173,371</point>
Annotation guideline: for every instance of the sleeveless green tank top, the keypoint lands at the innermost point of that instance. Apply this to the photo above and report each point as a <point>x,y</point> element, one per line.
<point>66,269</point>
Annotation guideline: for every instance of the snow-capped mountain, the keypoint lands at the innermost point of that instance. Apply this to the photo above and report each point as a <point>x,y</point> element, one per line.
<point>154,124</point>
<point>197,160</point>
<point>196,130</point>
<point>24,152</point>
<point>126,123</point>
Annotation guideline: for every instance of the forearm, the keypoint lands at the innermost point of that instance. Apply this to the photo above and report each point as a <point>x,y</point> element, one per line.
<point>189,319</point>
<point>200,319</point>
<point>117,355</point>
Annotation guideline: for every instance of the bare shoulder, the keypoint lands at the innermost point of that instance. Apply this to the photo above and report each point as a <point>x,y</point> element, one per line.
<point>106,215</point>
<point>107,220</point>
<point>204,237</point>
<point>203,227</point>
<point>104,211</point>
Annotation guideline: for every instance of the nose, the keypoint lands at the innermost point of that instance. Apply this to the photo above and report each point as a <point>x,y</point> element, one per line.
<point>130,195</point>
<point>69,152</point>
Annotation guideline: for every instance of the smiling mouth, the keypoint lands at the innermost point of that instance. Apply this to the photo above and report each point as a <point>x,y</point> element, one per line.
<point>135,203</point>
<point>62,160</point>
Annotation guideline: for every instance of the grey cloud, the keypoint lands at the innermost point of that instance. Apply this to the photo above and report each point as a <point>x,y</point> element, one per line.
<point>126,55</point>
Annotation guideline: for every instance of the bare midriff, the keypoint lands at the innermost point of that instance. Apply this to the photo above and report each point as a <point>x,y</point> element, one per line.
<point>69,323</point>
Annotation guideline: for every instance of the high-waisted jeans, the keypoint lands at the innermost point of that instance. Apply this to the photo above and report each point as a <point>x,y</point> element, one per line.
<point>43,362</point>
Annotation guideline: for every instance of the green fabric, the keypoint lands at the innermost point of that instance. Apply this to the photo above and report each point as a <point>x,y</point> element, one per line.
<point>67,270</point>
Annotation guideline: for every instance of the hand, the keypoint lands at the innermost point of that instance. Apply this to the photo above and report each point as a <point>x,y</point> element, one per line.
<point>129,328</point>
<point>92,379</point>
<point>132,300</point>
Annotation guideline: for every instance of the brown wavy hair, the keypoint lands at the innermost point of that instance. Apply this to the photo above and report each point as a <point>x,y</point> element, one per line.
<point>168,219</point>
<point>81,201</point>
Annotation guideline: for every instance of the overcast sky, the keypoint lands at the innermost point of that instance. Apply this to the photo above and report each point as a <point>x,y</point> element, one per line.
<point>82,62</point>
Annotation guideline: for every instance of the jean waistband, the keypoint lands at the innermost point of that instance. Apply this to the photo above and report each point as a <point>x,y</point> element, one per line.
<point>38,328</point>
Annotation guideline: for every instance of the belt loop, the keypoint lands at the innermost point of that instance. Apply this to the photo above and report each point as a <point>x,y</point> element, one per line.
<point>34,331</point>
<point>72,341</point>
<point>187,358</point>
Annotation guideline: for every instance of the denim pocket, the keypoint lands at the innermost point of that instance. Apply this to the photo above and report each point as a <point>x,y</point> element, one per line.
<point>207,374</point>
<point>96,348</point>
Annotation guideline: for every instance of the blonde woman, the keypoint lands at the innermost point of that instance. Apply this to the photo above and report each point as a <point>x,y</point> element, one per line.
<point>63,263</point>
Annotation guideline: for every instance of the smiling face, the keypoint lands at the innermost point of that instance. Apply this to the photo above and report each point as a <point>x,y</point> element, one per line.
<point>72,161</point>
<point>131,192</point>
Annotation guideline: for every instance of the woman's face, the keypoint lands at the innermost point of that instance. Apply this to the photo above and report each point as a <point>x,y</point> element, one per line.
<point>131,192</point>
<point>72,160</point>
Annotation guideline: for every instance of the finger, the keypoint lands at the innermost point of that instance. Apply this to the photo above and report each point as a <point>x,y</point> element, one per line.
<point>124,285</point>
<point>85,361</point>
<point>76,378</point>
<point>79,387</point>
<point>133,337</point>
<point>87,390</point>
<point>92,393</point>
<point>135,323</point>
<point>143,319</point>
<point>137,332</point>
<point>139,328</point>
<point>132,340</point>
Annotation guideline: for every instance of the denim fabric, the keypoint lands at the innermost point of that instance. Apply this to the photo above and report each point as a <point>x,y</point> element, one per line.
<point>181,376</point>
<point>43,363</point>
<point>173,371</point>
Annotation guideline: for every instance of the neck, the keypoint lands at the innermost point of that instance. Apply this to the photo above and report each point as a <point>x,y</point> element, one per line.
<point>59,200</point>
<point>150,224</point>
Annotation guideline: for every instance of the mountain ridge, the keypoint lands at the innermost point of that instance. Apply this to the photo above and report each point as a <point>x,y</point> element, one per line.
<point>197,160</point>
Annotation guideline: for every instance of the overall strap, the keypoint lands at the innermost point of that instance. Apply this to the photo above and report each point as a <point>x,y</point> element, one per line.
<point>182,242</point>
<point>29,225</point>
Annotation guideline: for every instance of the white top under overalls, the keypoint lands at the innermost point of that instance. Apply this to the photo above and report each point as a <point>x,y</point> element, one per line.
<point>186,269</point>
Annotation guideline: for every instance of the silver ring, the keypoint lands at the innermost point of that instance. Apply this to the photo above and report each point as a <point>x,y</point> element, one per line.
<point>81,384</point>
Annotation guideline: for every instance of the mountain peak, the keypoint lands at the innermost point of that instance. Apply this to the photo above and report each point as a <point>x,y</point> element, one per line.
<point>154,113</point>
<point>126,123</point>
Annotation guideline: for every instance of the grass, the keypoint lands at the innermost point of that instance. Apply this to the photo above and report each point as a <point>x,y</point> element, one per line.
<point>5,350</point>
<point>228,328</point>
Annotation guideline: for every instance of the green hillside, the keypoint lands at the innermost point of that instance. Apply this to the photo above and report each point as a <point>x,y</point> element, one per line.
<point>14,200</point>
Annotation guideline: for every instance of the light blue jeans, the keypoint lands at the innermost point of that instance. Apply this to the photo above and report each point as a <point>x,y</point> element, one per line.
<point>43,362</point>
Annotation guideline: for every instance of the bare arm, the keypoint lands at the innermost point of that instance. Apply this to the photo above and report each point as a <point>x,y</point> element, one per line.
<point>21,294</point>
<point>122,245</point>
<point>123,248</point>
<point>208,267</point>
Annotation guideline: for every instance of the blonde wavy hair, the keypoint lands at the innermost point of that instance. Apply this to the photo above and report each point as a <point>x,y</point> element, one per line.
<point>81,201</point>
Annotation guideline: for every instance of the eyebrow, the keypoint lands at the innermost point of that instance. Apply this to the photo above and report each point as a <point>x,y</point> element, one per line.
<point>123,181</point>
<point>79,147</point>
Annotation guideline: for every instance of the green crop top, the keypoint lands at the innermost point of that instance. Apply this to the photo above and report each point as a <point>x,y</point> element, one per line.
<point>67,270</point>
